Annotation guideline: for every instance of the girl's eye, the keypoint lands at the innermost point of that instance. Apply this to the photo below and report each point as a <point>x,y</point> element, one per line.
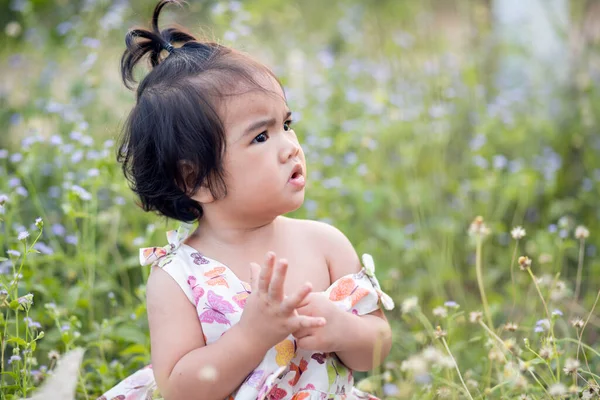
<point>261,138</point>
<point>286,125</point>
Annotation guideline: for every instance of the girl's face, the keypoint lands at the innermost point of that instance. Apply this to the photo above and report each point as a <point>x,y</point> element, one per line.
<point>264,164</point>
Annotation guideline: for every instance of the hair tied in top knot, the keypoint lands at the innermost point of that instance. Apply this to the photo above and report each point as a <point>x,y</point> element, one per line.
<point>141,42</point>
<point>168,47</point>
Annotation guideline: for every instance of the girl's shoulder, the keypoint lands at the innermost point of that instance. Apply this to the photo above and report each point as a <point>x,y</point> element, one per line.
<point>323,234</point>
<point>318,229</point>
<point>329,241</point>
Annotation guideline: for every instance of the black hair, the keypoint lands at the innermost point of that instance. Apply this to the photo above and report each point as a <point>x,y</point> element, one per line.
<point>173,140</point>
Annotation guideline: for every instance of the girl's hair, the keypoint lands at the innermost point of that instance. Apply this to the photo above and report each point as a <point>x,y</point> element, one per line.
<point>173,140</point>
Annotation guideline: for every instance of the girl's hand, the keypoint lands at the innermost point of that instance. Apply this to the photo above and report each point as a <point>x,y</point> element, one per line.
<point>321,338</point>
<point>269,316</point>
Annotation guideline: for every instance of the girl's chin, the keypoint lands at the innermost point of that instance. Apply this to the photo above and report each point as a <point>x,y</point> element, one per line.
<point>296,203</point>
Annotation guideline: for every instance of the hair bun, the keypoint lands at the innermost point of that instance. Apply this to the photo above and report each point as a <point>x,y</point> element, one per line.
<point>140,42</point>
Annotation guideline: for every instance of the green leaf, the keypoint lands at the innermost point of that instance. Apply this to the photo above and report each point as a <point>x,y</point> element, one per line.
<point>17,340</point>
<point>14,304</point>
<point>3,259</point>
<point>134,349</point>
<point>129,333</point>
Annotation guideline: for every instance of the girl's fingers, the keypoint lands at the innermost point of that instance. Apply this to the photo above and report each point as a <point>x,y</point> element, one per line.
<point>303,321</point>
<point>254,276</point>
<point>289,304</point>
<point>307,343</point>
<point>276,285</point>
<point>266,272</point>
<point>302,332</point>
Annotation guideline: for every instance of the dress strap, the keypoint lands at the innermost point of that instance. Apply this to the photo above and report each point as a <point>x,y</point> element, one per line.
<point>369,268</point>
<point>150,255</point>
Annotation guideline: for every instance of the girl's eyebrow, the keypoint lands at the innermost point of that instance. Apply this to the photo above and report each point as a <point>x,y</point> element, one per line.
<point>264,122</point>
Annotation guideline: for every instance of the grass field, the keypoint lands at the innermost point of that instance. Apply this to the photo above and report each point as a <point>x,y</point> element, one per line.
<point>432,131</point>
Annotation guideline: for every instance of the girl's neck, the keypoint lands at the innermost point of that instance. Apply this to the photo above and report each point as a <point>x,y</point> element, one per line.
<point>226,234</point>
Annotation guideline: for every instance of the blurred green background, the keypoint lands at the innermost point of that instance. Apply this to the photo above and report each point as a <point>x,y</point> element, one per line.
<point>415,117</point>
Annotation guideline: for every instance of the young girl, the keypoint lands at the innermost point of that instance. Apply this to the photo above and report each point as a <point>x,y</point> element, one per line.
<point>210,141</point>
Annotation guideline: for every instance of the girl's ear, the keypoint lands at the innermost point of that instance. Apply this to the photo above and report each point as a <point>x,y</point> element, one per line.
<point>203,195</point>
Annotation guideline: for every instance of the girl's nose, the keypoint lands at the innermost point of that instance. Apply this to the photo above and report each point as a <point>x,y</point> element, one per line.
<point>291,149</point>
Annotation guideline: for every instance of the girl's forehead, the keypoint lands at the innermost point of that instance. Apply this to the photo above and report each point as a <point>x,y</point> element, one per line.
<point>251,102</point>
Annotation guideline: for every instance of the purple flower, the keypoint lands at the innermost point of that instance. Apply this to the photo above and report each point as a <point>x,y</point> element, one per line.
<point>13,359</point>
<point>21,191</point>
<point>43,248</point>
<point>64,27</point>
<point>54,192</point>
<point>451,304</point>
<point>58,229</point>
<point>90,42</point>
<point>14,182</point>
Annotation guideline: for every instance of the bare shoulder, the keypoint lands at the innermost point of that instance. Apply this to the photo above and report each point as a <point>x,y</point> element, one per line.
<point>174,326</point>
<point>339,253</point>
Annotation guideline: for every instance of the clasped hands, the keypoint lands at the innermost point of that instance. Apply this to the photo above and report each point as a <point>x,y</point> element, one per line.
<point>270,316</point>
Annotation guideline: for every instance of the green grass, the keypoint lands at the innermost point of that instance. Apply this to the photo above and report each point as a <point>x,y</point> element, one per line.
<point>408,137</point>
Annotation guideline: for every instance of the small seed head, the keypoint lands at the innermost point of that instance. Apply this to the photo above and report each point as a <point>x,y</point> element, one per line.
<point>524,262</point>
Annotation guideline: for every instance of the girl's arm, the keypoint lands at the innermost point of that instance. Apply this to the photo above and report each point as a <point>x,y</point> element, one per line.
<point>370,340</point>
<point>184,367</point>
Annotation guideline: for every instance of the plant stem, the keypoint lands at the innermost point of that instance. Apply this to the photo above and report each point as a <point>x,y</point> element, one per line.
<point>456,366</point>
<point>478,267</point>
<point>550,322</point>
<point>584,325</point>
<point>512,278</point>
<point>579,268</point>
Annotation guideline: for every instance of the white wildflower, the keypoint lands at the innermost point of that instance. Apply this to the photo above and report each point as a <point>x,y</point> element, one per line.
<point>444,392</point>
<point>439,332</point>
<point>559,291</point>
<point>592,392</point>
<point>520,382</point>
<point>571,366</point>
<point>23,235</point>
<point>557,389</point>
<point>581,232</point>
<point>441,312</point>
<point>518,233</point>
<point>478,228</point>
<point>524,262</point>
<point>546,352</point>
<point>415,364</point>
<point>409,305</point>
<point>511,326</point>
<point>496,355</point>
<point>577,323</point>
<point>472,383</point>
<point>475,316</point>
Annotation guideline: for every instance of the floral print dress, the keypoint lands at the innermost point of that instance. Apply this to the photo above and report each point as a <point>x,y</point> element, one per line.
<point>286,372</point>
